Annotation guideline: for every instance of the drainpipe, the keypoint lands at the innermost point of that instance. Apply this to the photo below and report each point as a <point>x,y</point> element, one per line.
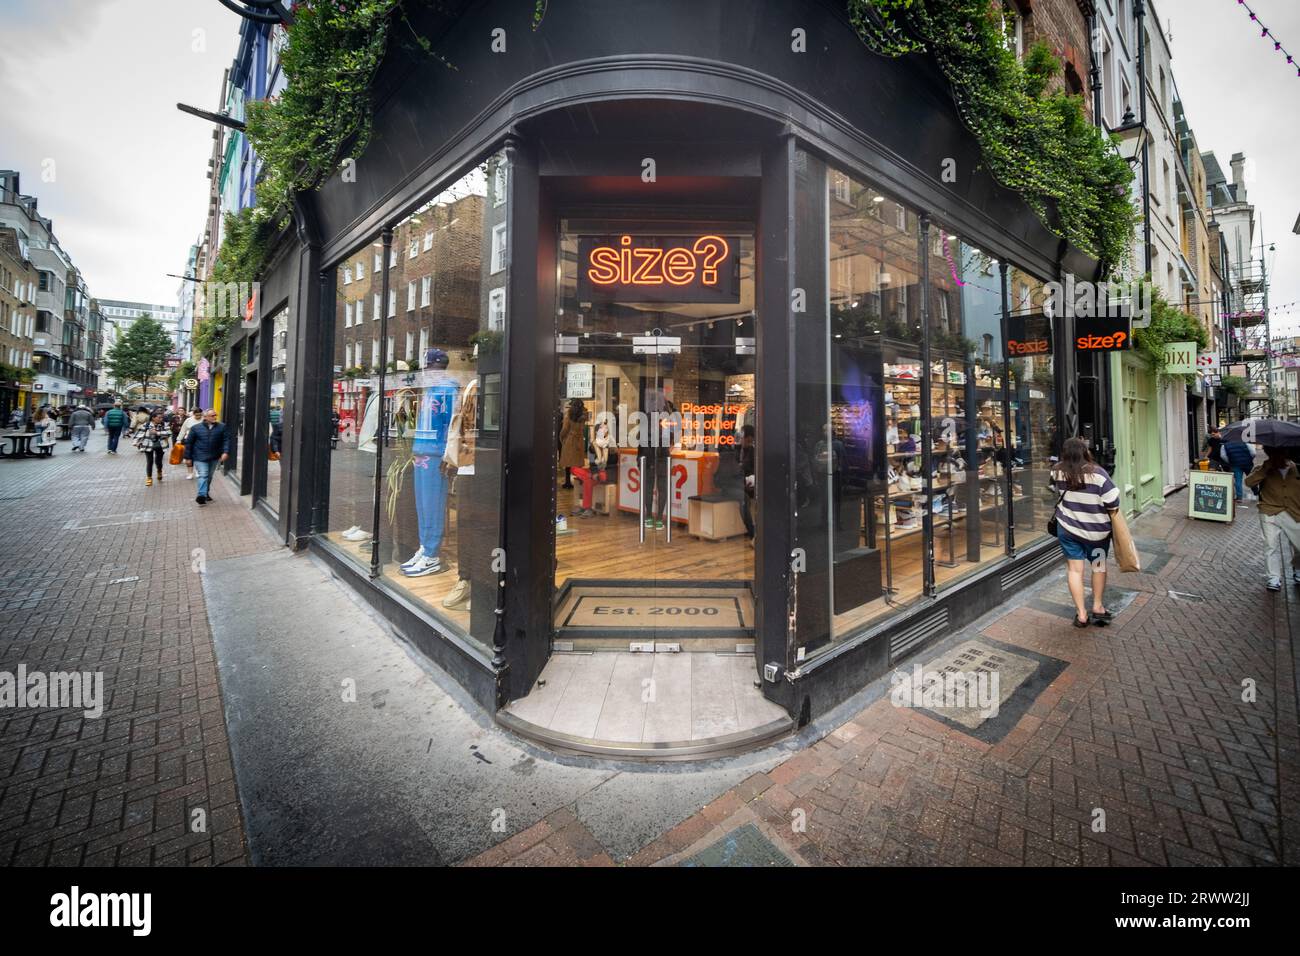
<point>1095,66</point>
<point>1006,412</point>
<point>1140,16</point>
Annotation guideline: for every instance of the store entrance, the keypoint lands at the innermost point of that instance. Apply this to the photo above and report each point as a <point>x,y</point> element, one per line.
<point>655,406</point>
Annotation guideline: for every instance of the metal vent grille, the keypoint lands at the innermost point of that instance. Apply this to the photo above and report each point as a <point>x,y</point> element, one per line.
<point>925,628</point>
<point>1015,578</point>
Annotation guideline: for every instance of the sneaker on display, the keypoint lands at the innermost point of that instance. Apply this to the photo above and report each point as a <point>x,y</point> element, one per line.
<point>356,534</point>
<point>458,595</point>
<point>425,565</point>
<point>413,558</point>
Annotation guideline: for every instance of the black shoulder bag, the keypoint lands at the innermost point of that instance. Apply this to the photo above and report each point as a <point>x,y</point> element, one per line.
<point>1051,522</point>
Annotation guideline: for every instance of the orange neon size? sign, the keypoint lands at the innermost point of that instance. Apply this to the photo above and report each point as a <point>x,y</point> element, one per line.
<point>658,268</point>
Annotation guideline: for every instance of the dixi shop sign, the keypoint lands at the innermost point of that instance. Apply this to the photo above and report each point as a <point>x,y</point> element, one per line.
<point>640,268</point>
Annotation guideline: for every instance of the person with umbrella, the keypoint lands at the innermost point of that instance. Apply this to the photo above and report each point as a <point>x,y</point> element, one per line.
<point>1239,436</point>
<point>1278,481</point>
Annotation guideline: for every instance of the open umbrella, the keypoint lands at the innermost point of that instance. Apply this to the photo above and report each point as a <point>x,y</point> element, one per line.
<point>1264,431</point>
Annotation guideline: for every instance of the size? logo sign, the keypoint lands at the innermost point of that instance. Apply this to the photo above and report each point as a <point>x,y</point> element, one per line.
<point>631,268</point>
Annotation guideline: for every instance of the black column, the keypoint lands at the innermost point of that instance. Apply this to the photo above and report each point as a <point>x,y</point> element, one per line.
<point>309,376</point>
<point>775,594</point>
<point>522,643</point>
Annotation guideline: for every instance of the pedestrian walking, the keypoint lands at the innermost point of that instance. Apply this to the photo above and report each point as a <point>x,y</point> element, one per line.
<point>1242,462</point>
<point>196,416</point>
<point>114,421</point>
<point>1277,482</point>
<point>47,432</point>
<point>1213,450</point>
<point>208,442</point>
<point>1087,496</point>
<point>82,421</point>
<point>155,439</point>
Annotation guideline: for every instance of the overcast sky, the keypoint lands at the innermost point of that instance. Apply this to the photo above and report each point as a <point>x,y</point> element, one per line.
<point>92,85</point>
<point>1242,97</point>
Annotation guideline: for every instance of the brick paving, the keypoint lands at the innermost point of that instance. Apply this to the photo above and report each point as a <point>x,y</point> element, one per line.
<point>97,574</point>
<point>1146,723</point>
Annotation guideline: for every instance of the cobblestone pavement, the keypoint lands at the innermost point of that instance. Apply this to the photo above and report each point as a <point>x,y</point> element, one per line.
<point>1146,722</point>
<point>97,574</point>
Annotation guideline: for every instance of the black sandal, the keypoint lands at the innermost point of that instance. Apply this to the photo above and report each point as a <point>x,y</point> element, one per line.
<point>1102,619</point>
<point>1077,623</point>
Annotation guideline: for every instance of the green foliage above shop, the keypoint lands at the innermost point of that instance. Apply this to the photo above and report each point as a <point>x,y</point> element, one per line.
<point>140,355</point>
<point>245,246</point>
<point>1169,324</point>
<point>183,371</point>
<point>16,373</point>
<point>1035,141</point>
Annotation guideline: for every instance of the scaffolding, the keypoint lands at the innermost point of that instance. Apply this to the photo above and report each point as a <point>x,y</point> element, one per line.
<point>1249,341</point>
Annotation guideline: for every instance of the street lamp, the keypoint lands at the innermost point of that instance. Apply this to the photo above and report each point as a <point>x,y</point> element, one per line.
<point>1132,136</point>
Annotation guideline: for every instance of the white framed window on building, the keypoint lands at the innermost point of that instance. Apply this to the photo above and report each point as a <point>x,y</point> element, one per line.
<point>374,353</point>
<point>410,346</point>
<point>375,317</point>
<point>392,352</point>
<point>347,315</point>
<point>361,310</point>
<point>410,297</point>
<point>347,275</point>
<point>379,262</point>
<point>392,303</point>
<point>499,184</point>
<point>426,285</point>
<point>361,269</point>
<point>392,256</point>
<point>498,247</point>
<point>413,249</point>
<point>428,240</point>
<point>424,345</point>
<point>497,310</point>
<point>347,356</point>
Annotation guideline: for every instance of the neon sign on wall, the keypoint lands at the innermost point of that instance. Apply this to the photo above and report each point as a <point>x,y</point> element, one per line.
<point>628,268</point>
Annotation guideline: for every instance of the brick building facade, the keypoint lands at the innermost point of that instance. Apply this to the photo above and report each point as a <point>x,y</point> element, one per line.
<point>1063,26</point>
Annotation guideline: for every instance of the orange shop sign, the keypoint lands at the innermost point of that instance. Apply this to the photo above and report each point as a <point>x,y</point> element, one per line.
<point>1103,333</point>
<point>640,268</point>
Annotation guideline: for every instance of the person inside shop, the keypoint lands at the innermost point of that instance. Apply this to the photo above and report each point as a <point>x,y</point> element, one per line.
<point>829,458</point>
<point>906,443</point>
<point>747,455</point>
<point>573,441</point>
<point>595,469</point>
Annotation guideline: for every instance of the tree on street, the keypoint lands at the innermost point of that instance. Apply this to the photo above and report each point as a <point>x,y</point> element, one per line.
<point>141,353</point>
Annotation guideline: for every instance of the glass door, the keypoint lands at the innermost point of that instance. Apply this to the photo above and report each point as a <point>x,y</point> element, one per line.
<point>655,503</point>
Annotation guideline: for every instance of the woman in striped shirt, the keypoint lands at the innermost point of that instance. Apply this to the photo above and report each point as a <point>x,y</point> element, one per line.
<point>1086,497</point>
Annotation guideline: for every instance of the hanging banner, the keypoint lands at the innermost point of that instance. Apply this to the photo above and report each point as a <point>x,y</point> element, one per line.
<point>1028,335</point>
<point>1208,362</point>
<point>1103,333</point>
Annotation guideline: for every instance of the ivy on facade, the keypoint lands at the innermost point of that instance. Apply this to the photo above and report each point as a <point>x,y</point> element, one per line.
<point>1169,324</point>
<point>1036,142</point>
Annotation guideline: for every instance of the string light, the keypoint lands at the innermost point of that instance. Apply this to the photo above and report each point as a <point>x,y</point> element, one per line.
<point>1265,32</point>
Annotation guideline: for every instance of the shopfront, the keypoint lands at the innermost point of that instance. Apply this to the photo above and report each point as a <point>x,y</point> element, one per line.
<point>613,359</point>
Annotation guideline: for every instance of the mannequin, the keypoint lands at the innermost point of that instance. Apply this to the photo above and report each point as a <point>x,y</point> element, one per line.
<point>458,459</point>
<point>432,424</point>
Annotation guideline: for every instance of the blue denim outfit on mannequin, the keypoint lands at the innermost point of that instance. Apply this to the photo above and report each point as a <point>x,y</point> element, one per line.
<point>427,447</point>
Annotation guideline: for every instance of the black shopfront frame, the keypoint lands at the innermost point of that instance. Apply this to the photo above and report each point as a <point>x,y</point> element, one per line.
<point>598,60</point>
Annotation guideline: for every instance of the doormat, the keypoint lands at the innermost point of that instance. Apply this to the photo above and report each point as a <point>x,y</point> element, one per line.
<point>743,846</point>
<point>706,612</point>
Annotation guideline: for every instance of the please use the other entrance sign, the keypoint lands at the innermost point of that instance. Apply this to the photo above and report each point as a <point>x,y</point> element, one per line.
<point>1209,496</point>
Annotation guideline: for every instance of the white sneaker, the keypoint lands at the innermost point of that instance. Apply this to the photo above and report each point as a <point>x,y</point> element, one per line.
<point>425,565</point>
<point>413,558</point>
<point>356,534</point>
<point>189,476</point>
<point>1274,584</point>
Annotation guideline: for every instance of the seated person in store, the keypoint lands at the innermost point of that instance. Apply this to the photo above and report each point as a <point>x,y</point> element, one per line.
<point>747,470</point>
<point>906,443</point>
<point>596,468</point>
